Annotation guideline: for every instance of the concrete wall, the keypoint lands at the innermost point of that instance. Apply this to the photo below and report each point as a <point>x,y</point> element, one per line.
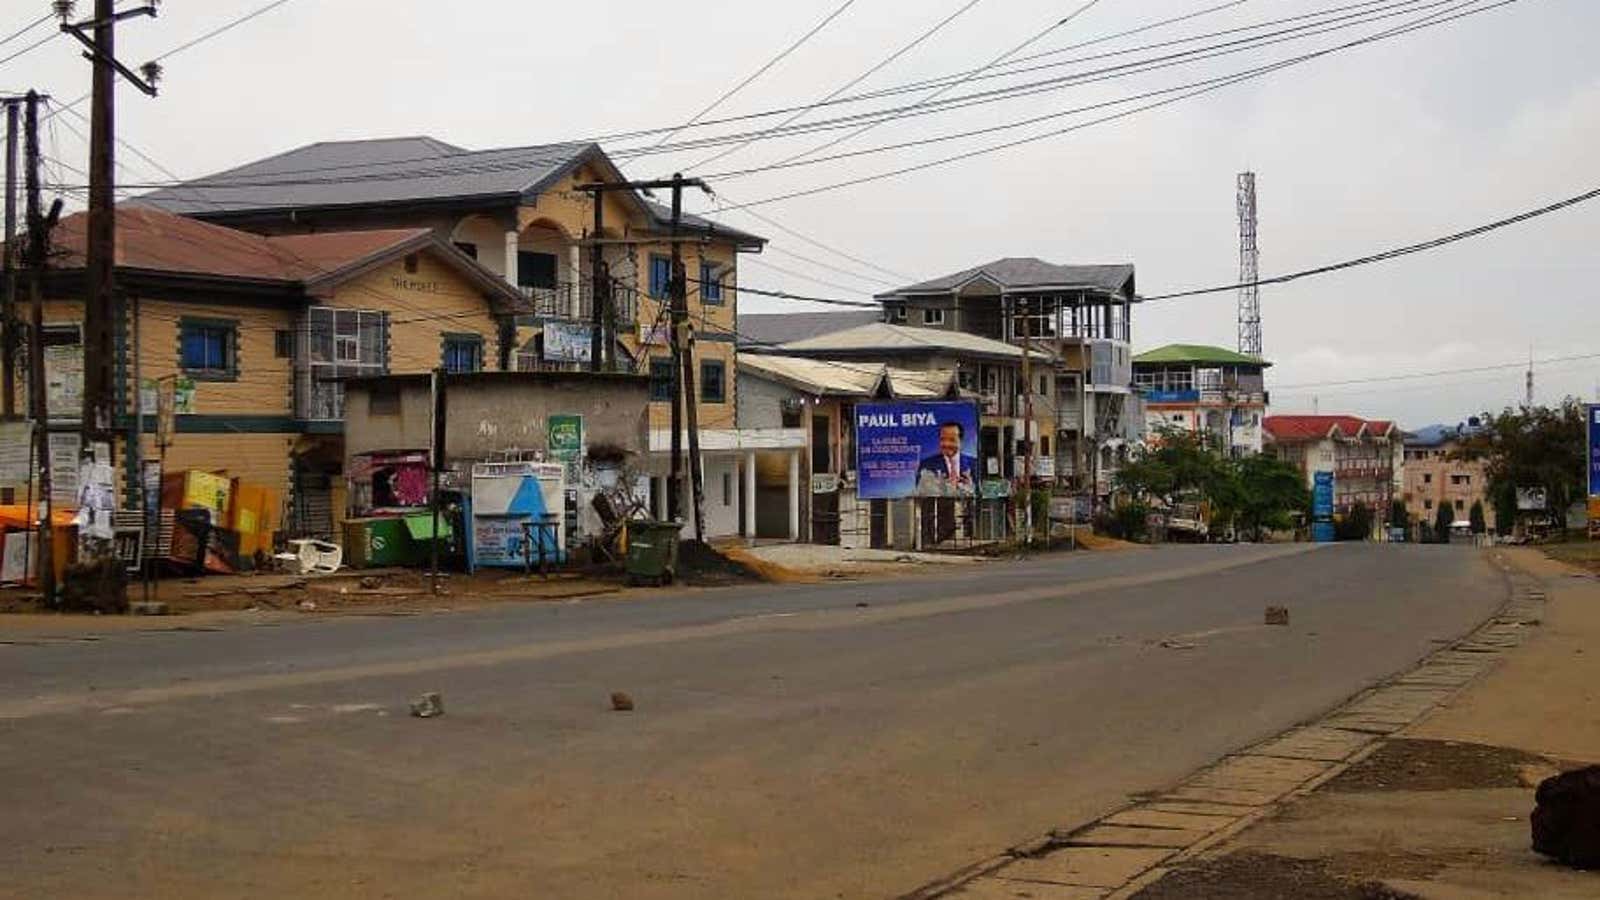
<point>494,413</point>
<point>760,402</point>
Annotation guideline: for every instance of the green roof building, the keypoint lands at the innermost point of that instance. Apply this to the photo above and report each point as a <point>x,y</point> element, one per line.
<point>1198,387</point>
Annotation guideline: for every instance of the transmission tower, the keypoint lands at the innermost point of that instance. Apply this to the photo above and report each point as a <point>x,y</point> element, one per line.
<point>1249,268</point>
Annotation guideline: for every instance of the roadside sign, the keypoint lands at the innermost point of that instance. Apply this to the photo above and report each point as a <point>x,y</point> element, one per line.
<point>1593,410</point>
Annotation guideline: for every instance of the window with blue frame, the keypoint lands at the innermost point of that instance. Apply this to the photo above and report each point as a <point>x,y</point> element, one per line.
<point>713,389</point>
<point>463,353</point>
<point>661,378</point>
<point>208,348</point>
<point>710,284</point>
<point>660,275</point>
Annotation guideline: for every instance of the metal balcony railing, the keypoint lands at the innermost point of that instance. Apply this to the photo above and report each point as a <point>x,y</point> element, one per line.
<point>574,300</point>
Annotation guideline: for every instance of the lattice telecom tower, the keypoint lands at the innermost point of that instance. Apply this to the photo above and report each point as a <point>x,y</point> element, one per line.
<point>1249,268</point>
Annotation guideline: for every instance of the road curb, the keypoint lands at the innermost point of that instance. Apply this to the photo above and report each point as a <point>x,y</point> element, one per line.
<point>1114,856</point>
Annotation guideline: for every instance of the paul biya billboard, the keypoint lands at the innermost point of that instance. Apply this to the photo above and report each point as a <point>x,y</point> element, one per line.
<point>916,450</point>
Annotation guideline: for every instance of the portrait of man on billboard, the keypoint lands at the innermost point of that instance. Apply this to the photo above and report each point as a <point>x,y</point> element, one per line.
<point>948,472</point>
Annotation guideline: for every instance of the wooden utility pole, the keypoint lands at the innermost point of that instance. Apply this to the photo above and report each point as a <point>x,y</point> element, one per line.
<point>679,340</point>
<point>1028,424</point>
<point>599,292</point>
<point>8,314</point>
<point>39,226</point>
<point>438,461</point>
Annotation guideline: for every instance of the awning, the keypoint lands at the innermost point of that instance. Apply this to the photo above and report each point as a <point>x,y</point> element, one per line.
<point>420,526</point>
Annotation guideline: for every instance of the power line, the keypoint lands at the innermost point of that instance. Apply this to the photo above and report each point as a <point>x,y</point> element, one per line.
<point>1217,85</point>
<point>1395,252</point>
<point>904,49</point>
<point>726,95</point>
<point>26,28</point>
<point>790,272</point>
<point>1437,373</point>
<point>938,91</point>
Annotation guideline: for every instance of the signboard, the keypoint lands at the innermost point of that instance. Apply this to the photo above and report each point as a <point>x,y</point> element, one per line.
<point>1593,410</point>
<point>824,483</point>
<point>1322,496</point>
<point>568,342</point>
<point>655,335</point>
<point>565,437</point>
<point>16,559</point>
<point>63,380</point>
<point>16,452</point>
<point>925,449</point>
<point>149,397</point>
<point>994,489</point>
<point>129,544</point>
<point>1153,396</point>
<point>64,452</point>
<point>183,397</point>
<point>1531,499</point>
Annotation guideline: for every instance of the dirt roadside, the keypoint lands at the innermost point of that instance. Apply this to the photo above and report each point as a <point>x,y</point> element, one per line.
<point>1440,808</point>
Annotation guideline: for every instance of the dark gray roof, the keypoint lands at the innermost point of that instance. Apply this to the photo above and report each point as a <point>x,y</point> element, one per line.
<point>663,216</point>
<point>375,172</point>
<point>1024,272</point>
<point>769,329</point>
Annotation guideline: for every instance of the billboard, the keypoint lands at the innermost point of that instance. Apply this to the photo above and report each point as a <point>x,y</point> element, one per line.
<point>1593,410</point>
<point>927,449</point>
<point>568,342</point>
<point>1322,507</point>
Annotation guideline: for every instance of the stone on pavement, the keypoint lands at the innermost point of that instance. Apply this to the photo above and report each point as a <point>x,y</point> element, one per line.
<point>621,701</point>
<point>1277,615</point>
<point>428,705</point>
<point>1566,819</point>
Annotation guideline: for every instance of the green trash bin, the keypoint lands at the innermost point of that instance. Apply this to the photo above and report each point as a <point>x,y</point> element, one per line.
<point>652,551</point>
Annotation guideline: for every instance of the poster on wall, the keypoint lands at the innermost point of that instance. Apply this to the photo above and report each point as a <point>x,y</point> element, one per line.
<point>63,380</point>
<point>565,436</point>
<point>16,453</point>
<point>183,403</point>
<point>917,449</point>
<point>568,342</point>
<point>64,449</point>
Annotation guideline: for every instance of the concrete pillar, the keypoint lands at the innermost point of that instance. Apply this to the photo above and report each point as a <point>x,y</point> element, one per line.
<point>511,257</point>
<point>575,275</point>
<point>750,495</point>
<point>659,498</point>
<point>794,495</point>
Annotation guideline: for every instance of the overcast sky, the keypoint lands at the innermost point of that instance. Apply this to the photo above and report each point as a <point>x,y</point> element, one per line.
<point>1381,145</point>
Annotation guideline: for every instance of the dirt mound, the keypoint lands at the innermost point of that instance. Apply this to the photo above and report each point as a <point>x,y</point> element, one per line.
<point>1090,541</point>
<point>702,563</point>
<point>767,569</point>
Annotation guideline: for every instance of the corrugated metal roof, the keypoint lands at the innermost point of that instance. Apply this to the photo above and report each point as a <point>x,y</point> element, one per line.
<point>371,172</point>
<point>1024,272</point>
<point>155,241</point>
<point>1197,353</point>
<point>840,378</point>
<point>1304,428</point>
<point>158,241</point>
<point>884,338</point>
<point>758,330</point>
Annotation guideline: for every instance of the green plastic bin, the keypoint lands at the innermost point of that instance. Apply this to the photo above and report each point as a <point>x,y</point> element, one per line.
<point>378,543</point>
<point>652,551</point>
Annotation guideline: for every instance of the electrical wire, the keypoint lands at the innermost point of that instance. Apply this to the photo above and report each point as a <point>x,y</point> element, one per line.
<point>901,51</point>
<point>728,94</point>
<point>26,28</point>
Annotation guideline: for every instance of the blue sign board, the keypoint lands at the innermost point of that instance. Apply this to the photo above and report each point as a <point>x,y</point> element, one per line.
<point>1154,396</point>
<point>1593,410</point>
<point>1322,532</point>
<point>916,449</point>
<point>1322,496</point>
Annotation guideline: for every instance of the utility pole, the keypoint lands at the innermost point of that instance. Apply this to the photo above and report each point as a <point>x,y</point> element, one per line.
<point>100,306</point>
<point>599,292</point>
<point>39,226</point>
<point>438,437</point>
<point>8,314</point>
<point>1027,415</point>
<point>680,342</point>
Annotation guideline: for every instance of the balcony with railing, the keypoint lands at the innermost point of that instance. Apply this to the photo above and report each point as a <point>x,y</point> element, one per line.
<point>574,301</point>
<point>331,345</point>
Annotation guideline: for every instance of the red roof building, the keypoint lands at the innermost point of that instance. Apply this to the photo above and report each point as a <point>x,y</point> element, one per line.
<point>1364,456</point>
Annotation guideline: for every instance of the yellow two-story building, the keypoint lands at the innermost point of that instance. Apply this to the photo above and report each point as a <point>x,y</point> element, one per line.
<point>251,337</point>
<point>521,214</point>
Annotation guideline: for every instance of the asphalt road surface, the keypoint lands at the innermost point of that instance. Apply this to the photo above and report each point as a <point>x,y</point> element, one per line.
<point>844,740</point>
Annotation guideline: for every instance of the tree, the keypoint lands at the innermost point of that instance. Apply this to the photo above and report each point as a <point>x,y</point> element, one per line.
<point>1534,446</point>
<point>1356,524</point>
<point>1175,463</point>
<point>1399,516</point>
<point>1442,520</point>
<point>1269,492</point>
<point>1479,523</point>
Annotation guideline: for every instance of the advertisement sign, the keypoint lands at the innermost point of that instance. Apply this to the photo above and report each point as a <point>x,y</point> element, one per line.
<point>1593,410</point>
<point>16,452</point>
<point>655,335</point>
<point>1531,499</point>
<point>183,397</point>
<point>568,342</point>
<point>1322,496</point>
<point>565,436</point>
<point>1155,396</point>
<point>64,447</point>
<point>917,449</point>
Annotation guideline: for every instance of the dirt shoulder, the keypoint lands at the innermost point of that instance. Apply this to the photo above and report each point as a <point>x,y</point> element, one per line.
<point>1439,809</point>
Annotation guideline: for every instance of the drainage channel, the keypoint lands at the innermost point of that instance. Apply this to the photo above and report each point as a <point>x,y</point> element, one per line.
<point>1118,855</point>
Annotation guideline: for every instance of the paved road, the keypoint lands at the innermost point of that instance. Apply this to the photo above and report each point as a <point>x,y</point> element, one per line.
<point>788,742</point>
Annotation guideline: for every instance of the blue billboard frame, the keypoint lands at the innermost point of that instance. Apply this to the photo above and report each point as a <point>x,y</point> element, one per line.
<point>898,449</point>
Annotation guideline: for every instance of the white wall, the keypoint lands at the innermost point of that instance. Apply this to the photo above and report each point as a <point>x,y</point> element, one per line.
<point>490,238</point>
